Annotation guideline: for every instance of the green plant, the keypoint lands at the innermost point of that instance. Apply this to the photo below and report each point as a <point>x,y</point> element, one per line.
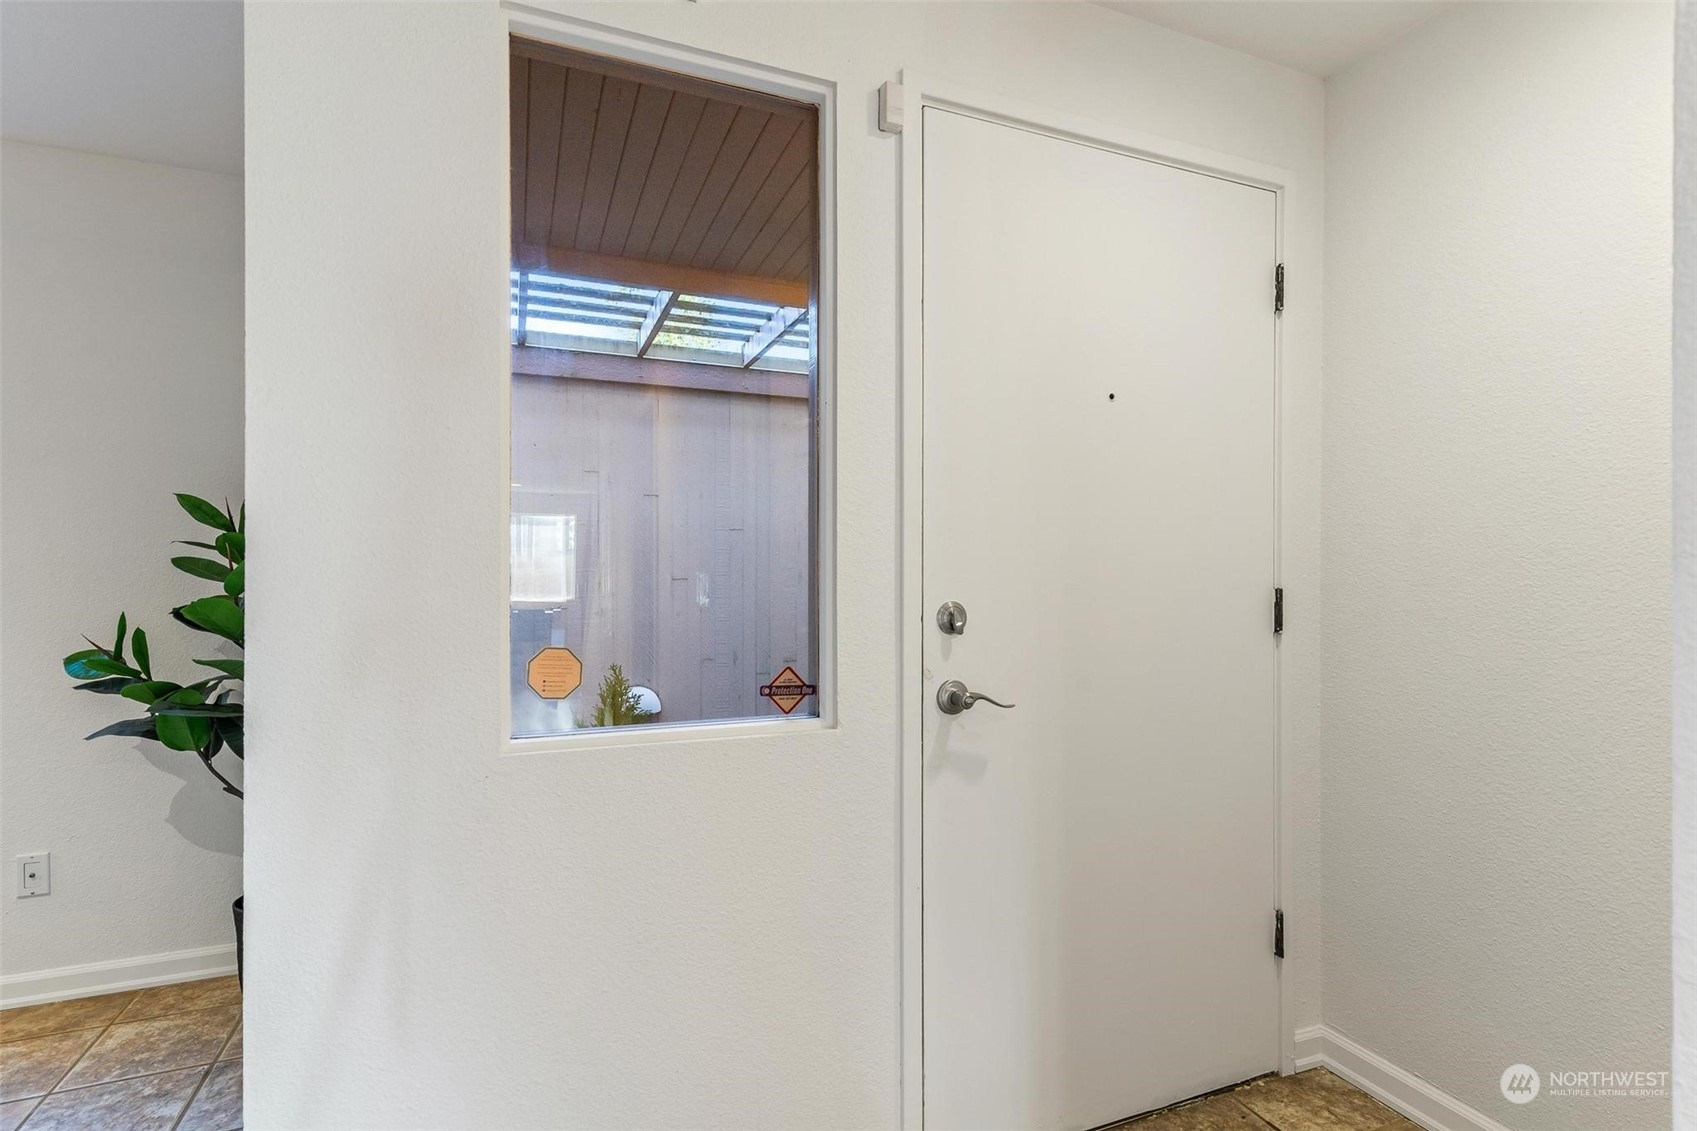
<point>201,717</point>
<point>616,704</point>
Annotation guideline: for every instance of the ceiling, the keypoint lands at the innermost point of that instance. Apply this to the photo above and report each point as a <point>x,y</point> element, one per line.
<point>161,80</point>
<point>1319,37</point>
<point>154,80</point>
<point>614,164</point>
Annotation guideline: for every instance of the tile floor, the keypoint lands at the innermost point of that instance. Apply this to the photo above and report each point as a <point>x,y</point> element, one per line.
<point>1315,1100</point>
<point>170,1059</point>
<point>164,1059</point>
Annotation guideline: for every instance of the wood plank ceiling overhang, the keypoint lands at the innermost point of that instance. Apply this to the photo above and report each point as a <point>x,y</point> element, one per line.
<point>630,175</point>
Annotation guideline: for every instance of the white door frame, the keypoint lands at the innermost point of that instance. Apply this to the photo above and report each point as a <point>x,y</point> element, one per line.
<point>916,93</point>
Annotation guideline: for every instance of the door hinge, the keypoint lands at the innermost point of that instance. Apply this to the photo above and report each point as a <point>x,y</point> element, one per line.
<point>1279,289</point>
<point>1278,934</point>
<point>1278,610</point>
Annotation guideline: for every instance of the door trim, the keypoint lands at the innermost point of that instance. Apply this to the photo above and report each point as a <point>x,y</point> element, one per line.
<point>919,92</point>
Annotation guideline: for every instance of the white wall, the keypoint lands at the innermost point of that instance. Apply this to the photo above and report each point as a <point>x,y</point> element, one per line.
<point>122,371</point>
<point>702,933</point>
<point>1496,552</point>
<point>1685,570</point>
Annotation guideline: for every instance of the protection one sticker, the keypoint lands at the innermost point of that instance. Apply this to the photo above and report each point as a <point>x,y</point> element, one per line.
<point>787,690</point>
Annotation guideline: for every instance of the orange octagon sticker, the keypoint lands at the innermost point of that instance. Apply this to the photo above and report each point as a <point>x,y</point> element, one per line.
<point>788,690</point>
<point>555,673</point>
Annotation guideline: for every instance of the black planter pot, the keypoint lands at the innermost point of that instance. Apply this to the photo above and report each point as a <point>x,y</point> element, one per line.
<point>236,910</point>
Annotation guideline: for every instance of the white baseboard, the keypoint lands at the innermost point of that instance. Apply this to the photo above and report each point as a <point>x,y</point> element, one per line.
<point>110,977</point>
<point>1310,1048</point>
<point>1429,1106</point>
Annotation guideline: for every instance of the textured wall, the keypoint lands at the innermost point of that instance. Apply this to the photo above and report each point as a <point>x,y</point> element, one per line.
<point>1496,552</point>
<point>122,364</point>
<point>702,933</point>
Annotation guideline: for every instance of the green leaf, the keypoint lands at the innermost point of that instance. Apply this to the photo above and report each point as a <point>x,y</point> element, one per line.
<point>123,630</point>
<point>129,728</point>
<point>76,664</point>
<point>216,614</point>
<point>241,520</point>
<point>231,731</point>
<point>190,703</point>
<point>232,546</point>
<point>149,690</point>
<point>181,732</point>
<point>205,513</point>
<point>113,685</point>
<point>208,686</point>
<point>196,545</point>
<point>104,665</point>
<point>202,567</point>
<point>138,643</point>
<point>198,710</point>
<point>228,667</point>
<point>236,581</point>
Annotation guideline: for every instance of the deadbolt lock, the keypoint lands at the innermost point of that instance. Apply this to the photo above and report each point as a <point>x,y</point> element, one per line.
<point>951,618</point>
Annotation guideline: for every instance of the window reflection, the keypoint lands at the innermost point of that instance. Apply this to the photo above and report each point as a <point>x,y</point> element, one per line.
<point>544,560</point>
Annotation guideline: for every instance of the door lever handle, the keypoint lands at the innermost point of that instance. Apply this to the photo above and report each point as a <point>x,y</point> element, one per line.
<point>953,698</point>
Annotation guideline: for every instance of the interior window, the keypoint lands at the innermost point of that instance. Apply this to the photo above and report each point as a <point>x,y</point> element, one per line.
<point>664,435</point>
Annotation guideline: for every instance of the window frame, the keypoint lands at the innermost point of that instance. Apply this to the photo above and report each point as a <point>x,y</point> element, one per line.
<point>821,94</point>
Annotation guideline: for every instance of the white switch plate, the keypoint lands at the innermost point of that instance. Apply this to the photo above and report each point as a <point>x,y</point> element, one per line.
<point>35,874</point>
<point>892,108</point>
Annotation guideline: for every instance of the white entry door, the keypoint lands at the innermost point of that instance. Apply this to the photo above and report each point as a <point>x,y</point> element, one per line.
<point>1099,422</point>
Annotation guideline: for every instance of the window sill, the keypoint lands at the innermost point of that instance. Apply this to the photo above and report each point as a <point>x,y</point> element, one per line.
<point>663,734</point>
